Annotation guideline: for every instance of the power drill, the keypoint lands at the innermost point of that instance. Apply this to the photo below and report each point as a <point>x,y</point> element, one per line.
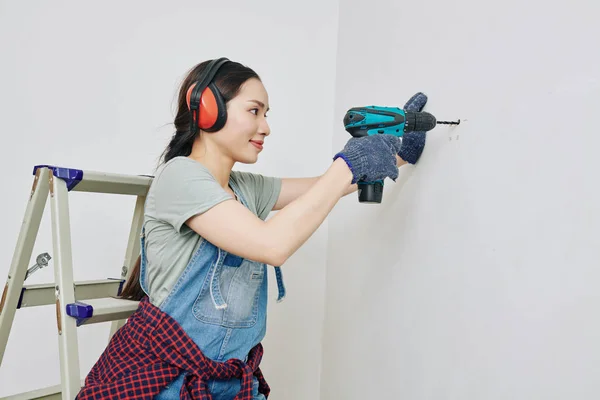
<point>374,120</point>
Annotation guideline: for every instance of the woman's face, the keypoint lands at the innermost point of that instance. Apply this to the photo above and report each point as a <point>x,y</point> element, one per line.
<point>246,127</point>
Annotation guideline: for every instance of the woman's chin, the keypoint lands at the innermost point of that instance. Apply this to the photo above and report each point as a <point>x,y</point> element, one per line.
<point>247,159</point>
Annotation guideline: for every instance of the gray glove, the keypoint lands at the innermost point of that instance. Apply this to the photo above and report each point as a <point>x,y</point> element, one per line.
<point>413,143</point>
<point>371,158</point>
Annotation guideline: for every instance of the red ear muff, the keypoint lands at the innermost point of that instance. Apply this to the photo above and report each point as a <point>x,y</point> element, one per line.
<point>208,110</point>
<point>205,102</point>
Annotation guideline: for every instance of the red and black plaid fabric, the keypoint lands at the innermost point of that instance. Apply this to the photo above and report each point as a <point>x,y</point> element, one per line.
<point>150,350</point>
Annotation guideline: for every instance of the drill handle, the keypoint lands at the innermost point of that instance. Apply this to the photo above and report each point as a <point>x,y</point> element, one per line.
<point>370,192</point>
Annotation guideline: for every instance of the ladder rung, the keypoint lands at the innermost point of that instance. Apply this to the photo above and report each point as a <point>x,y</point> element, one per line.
<point>101,310</point>
<point>52,392</point>
<point>100,182</point>
<point>43,294</point>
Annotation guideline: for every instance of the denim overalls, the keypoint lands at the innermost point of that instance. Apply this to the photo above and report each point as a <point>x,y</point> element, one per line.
<point>220,300</point>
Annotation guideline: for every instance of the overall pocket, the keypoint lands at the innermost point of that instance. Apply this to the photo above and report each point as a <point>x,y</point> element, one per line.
<point>240,287</point>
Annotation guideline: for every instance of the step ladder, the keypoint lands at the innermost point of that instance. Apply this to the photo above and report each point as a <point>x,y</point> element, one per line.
<point>77,303</point>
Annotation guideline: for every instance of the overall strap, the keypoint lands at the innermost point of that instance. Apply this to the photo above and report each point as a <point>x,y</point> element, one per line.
<point>143,259</point>
<point>215,281</point>
<point>280,284</point>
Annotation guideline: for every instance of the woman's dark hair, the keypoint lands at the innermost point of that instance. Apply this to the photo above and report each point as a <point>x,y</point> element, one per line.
<point>229,80</point>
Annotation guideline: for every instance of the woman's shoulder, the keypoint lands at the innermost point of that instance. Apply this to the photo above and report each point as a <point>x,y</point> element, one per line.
<point>180,170</point>
<point>182,177</point>
<point>181,164</point>
<point>181,189</point>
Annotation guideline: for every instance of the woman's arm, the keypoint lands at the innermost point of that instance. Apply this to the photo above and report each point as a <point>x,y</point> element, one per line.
<point>292,188</point>
<point>232,227</point>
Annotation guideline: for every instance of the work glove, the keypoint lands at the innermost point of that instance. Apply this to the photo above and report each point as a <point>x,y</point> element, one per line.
<point>371,158</point>
<point>413,143</point>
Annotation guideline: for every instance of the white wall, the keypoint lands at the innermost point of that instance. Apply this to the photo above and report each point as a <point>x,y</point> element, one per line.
<point>85,83</point>
<point>477,278</point>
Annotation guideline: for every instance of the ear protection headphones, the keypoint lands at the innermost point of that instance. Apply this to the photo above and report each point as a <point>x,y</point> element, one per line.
<point>205,102</point>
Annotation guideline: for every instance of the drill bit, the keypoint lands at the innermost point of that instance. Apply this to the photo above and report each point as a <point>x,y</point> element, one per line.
<point>449,122</point>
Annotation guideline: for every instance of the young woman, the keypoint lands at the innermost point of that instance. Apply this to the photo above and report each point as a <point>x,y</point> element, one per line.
<point>202,273</point>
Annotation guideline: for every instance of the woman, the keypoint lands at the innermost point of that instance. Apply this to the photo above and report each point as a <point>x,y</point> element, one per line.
<point>202,273</point>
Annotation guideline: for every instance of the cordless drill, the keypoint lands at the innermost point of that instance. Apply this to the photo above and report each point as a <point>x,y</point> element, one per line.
<point>375,120</point>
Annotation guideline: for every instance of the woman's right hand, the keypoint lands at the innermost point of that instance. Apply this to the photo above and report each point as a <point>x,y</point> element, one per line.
<point>371,158</point>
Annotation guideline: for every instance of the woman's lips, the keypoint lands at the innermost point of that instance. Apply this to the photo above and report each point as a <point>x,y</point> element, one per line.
<point>257,144</point>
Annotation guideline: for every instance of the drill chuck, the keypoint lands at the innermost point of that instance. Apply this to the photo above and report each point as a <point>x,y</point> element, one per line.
<point>419,121</point>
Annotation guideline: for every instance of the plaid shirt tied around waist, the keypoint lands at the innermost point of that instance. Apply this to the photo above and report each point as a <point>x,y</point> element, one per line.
<point>151,350</point>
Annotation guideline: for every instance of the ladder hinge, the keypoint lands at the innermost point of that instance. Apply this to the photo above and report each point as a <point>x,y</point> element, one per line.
<point>58,319</point>
<point>51,183</point>
<point>4,293</point>
<point>35,183</point>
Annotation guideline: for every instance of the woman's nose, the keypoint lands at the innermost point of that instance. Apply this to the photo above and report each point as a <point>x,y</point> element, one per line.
<point>265,129</point>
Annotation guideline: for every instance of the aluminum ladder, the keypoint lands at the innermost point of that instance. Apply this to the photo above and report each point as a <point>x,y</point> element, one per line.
<point>77,303</point>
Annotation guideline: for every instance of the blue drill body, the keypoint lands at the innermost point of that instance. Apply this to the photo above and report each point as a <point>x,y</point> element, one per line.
<point>373,120</point>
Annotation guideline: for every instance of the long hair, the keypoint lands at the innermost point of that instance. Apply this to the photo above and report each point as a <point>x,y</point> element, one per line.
<point>229,80</point>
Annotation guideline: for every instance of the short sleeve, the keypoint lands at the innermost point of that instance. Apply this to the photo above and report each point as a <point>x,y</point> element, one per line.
<point>264,189</point>
<point>184,189</point>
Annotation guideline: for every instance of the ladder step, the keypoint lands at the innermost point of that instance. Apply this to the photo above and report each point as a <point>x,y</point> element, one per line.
<point>52,392</point>
<point>101,310</point>
<point>43,294</point>
<point>100,182</point>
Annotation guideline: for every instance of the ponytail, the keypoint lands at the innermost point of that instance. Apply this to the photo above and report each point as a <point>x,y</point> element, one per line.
<point>180,145</point>
<point>133,289</point>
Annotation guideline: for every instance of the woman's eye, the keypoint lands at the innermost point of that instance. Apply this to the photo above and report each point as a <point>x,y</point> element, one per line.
<point>255,112</point>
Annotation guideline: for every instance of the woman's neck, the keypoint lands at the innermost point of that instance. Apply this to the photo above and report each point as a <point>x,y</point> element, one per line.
<point>218,165</point>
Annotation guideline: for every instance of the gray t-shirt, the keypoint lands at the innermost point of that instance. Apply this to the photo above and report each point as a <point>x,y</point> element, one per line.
<point>181,189</point>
